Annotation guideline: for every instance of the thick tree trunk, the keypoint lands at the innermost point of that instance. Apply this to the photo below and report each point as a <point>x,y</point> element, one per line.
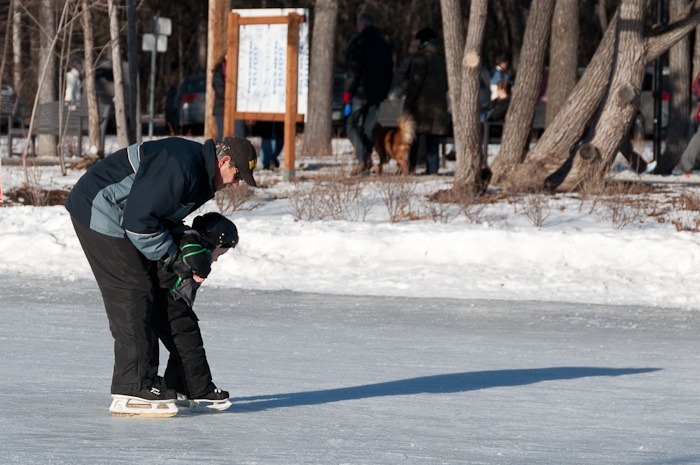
<point>679,117</point>
<point>465,95</point>
<point>96,143</point>
<point>594,158</point>
<point>216,50</point>
<point>552,151</point>
<point>317,133</point>
<point>563,56</point>
<point>554,147</point>
<point>526,91</point>
<point>119,101</point>
<point>45,143</point>
<point>453,33</point>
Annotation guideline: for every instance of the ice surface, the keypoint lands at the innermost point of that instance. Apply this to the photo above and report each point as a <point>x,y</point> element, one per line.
<point>327,379</point>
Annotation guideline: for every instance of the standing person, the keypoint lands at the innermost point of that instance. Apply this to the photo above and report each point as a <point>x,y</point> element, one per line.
<point>426,100</point>
<point>499,73</point>
<point>74,80</point>
<point>496,110</point>
<point>369,61</point>
<point>174,320</point>
<point>271,135</point>
<point>121,210</point>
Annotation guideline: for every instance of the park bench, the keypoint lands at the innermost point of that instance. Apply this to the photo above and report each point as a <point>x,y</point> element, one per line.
<point>59,119</point>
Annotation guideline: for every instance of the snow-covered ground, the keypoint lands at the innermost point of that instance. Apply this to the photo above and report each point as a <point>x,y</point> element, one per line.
<point>583,252</point>
<point>326,379</point>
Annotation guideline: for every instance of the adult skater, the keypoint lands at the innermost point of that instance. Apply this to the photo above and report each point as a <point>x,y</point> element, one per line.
<point>121,210</point>
<point>174,320</point>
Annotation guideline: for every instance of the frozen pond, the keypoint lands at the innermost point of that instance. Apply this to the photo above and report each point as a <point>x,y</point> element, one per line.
<point>362,380</point>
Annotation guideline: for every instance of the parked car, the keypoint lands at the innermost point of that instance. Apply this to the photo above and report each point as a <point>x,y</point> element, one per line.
<point>185,108</point>
<point>12,106</point>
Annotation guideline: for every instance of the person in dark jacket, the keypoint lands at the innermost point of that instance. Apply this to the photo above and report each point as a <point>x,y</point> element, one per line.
<point>426,100</point>
<point>174,320</point>
<point>498,107</point>
<point>370,67</point>
<point>121,210</point>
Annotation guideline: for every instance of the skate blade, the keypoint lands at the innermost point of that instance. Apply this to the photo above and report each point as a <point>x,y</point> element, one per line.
<point>127,406</point>
<point>205,405</point>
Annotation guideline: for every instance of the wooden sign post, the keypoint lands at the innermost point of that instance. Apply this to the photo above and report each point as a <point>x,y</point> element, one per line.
<point>290,116</point>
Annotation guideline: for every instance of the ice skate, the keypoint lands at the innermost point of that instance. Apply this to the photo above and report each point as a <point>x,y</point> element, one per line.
<point>215,400</point>
<point>151,403</point>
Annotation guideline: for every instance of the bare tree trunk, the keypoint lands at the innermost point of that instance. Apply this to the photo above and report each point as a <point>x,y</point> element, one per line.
<point>134,111</point>
<point>46,143</point>
<point>526,91</point>
<point>554,147</point>
<point>17,48</point>
<point>119,102</point>
<point>465,113</point>
<point>679,118</point>
<point>317,133</point>
<point>594,158</point>
<point>563,56</point>
<point>216,50</point>
<point>453,33</point>
<point>96,143</point>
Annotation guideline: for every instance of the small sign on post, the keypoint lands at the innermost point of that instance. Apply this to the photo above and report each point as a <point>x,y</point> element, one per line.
<point>157,42</point>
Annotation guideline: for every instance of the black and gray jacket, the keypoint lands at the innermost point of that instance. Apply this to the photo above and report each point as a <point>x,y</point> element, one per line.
<point>139,191</point>
<point>189,241</point>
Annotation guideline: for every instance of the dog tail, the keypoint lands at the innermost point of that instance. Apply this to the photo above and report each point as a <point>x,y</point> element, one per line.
<point>407,126</point>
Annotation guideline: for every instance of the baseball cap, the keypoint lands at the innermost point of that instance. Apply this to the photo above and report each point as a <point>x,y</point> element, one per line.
<point>243,155</point>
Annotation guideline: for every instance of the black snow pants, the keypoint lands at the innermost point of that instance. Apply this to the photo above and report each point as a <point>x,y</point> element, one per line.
<point>175,324</point>
<point>127,281</point>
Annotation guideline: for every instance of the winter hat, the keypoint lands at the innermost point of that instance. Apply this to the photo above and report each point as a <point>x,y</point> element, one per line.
<point>425,35</point>
<point>243,155</point>
<point>216,229</point>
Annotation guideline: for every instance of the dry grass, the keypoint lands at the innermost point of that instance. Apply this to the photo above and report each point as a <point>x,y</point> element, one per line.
<point>337,198</point>
<point>231,200</point>
<point>398,195</point>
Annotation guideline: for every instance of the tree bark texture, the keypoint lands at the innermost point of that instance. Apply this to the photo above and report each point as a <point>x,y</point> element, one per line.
<point>45,143</point>
<point>526,91</point>
<point>317,132</point>
<point>90,87</point>
<point>453,34</point>
<point>554,147</point>
<point>216,50</point>
<point>563,56</point>
<point>679,114</point>
<point>17,48</point>
<point>119,102</point>
<point>594,158</point>
<point>468,175</point>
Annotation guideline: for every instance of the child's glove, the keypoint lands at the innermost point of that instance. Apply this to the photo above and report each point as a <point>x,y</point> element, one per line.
<point>193,258</point>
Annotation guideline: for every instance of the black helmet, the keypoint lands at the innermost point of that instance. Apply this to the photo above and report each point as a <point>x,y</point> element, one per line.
<point>217,230</point>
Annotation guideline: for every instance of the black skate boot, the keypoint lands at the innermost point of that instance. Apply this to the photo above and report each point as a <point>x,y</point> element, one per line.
<point>216,399</point>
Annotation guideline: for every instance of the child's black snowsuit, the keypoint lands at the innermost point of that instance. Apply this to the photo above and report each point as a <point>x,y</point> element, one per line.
<point>176,324</point>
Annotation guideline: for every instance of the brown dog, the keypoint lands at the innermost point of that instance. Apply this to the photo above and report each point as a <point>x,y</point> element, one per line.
<point>395,143</point>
